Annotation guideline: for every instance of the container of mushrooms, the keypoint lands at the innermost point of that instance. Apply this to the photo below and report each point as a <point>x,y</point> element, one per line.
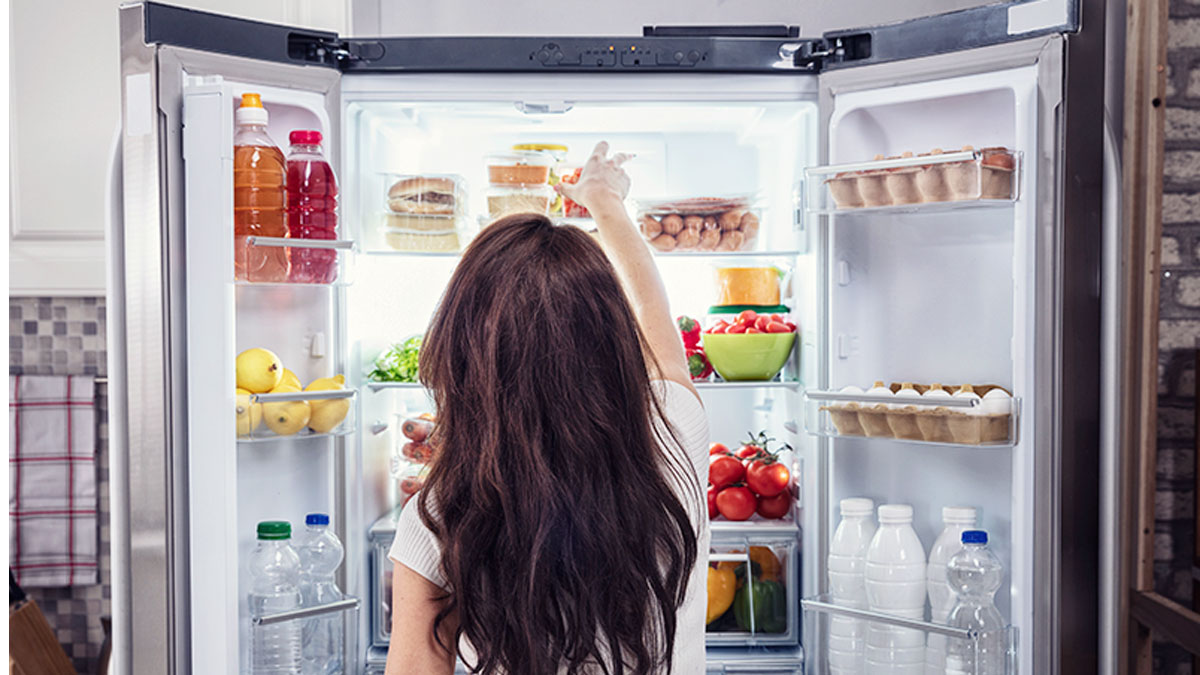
<point>695,224</point>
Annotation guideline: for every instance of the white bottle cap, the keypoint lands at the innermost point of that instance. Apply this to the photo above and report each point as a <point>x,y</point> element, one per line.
<point>895,513</point>
<point>251,110</point>
<point>959,515</point>
<point>857,506</point>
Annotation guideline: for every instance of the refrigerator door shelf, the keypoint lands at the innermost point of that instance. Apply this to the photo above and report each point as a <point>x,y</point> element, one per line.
<point>321,408</point>
<point>349,604</point>
<point>949,421</point>
<point>776,561</point>
<point>819,610</point>
<point>338,251</point>
<point>988,178</point>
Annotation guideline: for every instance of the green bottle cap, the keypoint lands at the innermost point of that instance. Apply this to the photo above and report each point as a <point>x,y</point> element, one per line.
<point>274,529</point>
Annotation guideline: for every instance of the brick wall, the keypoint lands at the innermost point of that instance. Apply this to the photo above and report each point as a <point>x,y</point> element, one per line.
<point>1179,324</point>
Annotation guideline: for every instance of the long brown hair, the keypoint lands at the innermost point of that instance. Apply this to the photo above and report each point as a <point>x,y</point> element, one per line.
<point>563,543</point>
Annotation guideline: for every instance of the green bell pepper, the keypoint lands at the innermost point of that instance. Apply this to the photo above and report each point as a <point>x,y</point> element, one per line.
<point>770,606</point>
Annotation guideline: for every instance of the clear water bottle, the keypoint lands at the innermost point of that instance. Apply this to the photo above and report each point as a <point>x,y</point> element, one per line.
<point>320,555</point>
<point>957,519</point>
<point>275,569</point>
<point>975,575</point>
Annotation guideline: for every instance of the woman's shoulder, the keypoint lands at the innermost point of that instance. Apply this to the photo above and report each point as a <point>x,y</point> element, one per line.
<point>684,412</point>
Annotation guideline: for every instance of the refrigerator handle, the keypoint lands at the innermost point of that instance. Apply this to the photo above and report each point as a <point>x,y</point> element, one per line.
<point>1112,273</point>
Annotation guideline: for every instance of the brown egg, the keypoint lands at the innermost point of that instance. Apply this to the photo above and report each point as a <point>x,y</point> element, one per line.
<point>688,239</point>
<point>731,240</point>
<point>692,222</point>
<point>651,227</point>
<point>731,220</point>
<point>672,224</point>
<point>709,240</point>
<point>710,223</point>
<point>664,242</point>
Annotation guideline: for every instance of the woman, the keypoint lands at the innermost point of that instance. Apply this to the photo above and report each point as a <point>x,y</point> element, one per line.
<point>561,528</point>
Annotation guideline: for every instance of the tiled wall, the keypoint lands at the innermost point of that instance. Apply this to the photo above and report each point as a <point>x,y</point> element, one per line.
<point>65,336</point>
<point>1179,325</point>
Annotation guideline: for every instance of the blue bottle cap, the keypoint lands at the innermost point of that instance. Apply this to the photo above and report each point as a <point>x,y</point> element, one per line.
<point>316,519</point>
<point>974,537</point>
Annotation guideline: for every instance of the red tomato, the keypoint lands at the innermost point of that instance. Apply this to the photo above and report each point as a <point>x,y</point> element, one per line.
<point>776,317</point>
<point>761,322</point>
<point>791,326</point>
<point>768,507</point>
<point>736,503</point>
<point>736,328</point>
<point>712,502</point>
<point>718,449</point>
<point>717,329</point>
<point>747,316</point>
<point>767,477</point>
<point>778,327</point>
<point>725,470</point>
<point>749,451</point>
<point>753,330</point>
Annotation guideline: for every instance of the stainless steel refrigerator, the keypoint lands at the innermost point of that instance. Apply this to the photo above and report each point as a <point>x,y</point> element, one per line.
<point>997,282</point>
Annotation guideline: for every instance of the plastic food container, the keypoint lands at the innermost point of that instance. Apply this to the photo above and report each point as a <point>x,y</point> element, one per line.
<point>503,200</point>
<point>700,223</point>
<point>439,195</point>
<point>519,167</point>
<point>423,233</point>
<point>748,285</point>
<point>558,155</point>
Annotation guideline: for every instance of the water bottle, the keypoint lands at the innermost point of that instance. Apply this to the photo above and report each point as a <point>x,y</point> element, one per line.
<point>320,555</point>
<point>275,570</point>
<point>895,584</point>
<point>847,586</point>
<point>956,519</point>
<point>975,575</point>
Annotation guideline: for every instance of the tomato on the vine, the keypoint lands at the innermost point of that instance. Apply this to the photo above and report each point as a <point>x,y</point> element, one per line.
<point>773,507</point>
<point>725,470</point>
<point>718,449</point>
<point>749,451</point>
<point>767,477</point>
<point>712,501</point>
<point>736,503</point>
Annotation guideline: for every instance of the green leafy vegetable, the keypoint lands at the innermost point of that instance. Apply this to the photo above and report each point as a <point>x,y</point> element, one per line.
<point>398,364</point>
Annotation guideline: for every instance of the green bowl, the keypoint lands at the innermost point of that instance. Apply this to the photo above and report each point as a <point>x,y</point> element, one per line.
<point>738,356</point>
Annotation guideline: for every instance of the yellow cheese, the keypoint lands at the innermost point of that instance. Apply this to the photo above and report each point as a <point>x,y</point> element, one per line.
<point>747,286</point>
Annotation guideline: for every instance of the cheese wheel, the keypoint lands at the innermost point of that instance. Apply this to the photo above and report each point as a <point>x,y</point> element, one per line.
<point>747,286</point>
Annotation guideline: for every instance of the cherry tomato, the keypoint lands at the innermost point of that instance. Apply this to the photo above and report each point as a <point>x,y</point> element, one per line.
<point>767,477</point>
<point>791,326</point>
<point>736,328</point>
<point>736,503</point>
<point>761,322</point>
<point>717,329</point>
<point>712,501</point>
<point>754,330</point>
<point>718,449</point>
<point>725,470</point>
<point>747,316</point>
<point>749,451</point>
<point>768,507</point>
<point>777,327</point>
<point>776,317</point>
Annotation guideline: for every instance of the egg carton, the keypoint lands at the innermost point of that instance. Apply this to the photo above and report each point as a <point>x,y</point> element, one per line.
<point>933,177</point>
<point>915,420</point>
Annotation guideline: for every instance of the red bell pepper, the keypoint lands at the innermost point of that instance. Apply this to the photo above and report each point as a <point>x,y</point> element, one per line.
<point>689,328</point>
<point>698,365</point>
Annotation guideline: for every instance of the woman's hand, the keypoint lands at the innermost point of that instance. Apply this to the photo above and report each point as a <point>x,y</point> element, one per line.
<point>602,183</point>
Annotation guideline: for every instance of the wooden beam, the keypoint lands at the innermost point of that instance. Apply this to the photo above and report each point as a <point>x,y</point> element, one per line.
<point>1167,619</point>
<point>1142,162</point>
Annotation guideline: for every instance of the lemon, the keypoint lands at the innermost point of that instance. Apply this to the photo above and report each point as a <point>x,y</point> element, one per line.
<point>258,370</point>
<point>286,417</point>
<point>327,414</point>
<point>249,414</point>
<point>289,378</point>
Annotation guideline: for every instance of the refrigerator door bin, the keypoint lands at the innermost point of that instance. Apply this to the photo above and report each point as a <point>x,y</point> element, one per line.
<point>949,421</point>
<point>344,605</point>
<point>765,606</point>
<point>895,634</point>
<point>380,537</point>
<point>741,664</point>
<point>300,414</point>
<point>339,252</point>
<point>967,178</point>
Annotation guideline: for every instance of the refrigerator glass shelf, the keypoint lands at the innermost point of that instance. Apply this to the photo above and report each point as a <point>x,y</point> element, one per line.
<point>338,251</point>
<point>748,384</point>
<point>719,255</point>
<point>323,409</point>
<point>821,610</point>
<point>965,179</point>
<point>778,562</point>
<point>949,421</point>
<point>380,386</point>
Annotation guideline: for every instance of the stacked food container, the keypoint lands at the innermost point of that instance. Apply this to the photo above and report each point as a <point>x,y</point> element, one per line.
<point>519,181</point>
<point>425,212</point>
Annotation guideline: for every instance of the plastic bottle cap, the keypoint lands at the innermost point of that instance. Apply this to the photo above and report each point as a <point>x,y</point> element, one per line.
<point>316,519</point>
<point>857,506</point>
<point>251,111</point>
<point>974,537</point>
<point>305,137</point>
<point>895,513</point>
<point>959,514</point>
<point>274,529</point>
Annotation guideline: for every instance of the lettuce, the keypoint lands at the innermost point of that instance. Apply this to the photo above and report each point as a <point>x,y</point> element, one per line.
<point>398,364</point>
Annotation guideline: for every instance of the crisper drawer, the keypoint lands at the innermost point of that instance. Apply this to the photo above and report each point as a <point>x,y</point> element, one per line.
<point>754,590</point>
<point>749,666</point>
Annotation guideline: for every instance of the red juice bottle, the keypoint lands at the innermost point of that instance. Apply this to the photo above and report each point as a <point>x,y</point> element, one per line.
<point>312,208</point>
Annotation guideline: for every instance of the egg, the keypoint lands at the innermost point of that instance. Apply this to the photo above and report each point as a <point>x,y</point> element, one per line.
<point>878,389</point>
<point>996,402</point>
<point>968,392</point>
<point>935,391</point>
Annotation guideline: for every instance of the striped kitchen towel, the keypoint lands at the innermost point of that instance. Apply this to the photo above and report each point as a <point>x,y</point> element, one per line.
<point>52,530</point>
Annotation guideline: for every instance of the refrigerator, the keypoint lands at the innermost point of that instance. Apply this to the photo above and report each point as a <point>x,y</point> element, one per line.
<point>1000,282</point>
